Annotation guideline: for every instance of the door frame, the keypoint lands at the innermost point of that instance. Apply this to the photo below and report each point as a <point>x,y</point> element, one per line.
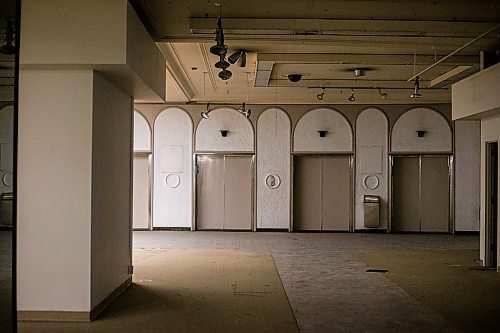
<point>351,185</point>
<point>253,224</point>
<point>451,215</point>
<point>491,215</point>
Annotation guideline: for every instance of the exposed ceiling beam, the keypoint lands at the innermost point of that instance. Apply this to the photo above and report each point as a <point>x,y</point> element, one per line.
<point>177,71</point>
<point>249,27</point>
<point>365,59</point>
<point>453,75</point>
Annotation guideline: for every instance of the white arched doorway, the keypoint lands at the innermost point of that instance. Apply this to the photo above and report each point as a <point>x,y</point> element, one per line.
<point>224,171</point>
<point>421,148</point>
<point>322,146</point>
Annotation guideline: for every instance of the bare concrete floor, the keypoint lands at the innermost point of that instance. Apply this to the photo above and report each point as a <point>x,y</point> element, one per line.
<point>325,280</point>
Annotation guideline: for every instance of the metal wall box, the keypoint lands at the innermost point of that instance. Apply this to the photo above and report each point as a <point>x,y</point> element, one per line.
<point>371,208</point>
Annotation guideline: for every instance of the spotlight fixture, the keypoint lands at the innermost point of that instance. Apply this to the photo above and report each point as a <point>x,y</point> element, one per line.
<point>222,63</point>
<point>416,94</point>
<point>225,74</point>
<point>243,109</point>
<point>239,57</point>
<point>8,48</point>
<point>382,95</point>
<point>321,95</point>
<point>204,114</point>
<point>352,98</point>
<point>219,48</point>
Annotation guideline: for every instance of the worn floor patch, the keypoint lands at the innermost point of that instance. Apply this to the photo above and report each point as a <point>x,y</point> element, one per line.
<point>194,291</point>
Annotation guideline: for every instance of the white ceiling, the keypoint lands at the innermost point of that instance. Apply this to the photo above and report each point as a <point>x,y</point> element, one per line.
<point>324,40</point>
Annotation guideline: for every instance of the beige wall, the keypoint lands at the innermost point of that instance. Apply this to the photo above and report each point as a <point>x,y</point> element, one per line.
<point>467,174</point>
<point>103,35</point>
<point>54,190</point>
<point>112,116</point>
<point>100,24</point>
<point>477,95</point>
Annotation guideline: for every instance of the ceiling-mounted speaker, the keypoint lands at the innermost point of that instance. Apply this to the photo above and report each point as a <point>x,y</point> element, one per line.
<point>225,74</point>
<point>222,63</point>
<point>218,50</point>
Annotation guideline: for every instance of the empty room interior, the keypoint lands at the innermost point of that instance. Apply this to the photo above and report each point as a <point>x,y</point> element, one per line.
<point>249,166</point>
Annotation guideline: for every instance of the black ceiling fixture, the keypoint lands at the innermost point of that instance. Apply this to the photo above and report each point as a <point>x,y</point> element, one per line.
<point>239,58</point>
<point>220,49</point>
<point>8,48</point>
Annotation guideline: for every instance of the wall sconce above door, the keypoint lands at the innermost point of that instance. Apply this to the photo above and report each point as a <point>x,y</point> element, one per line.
<point>421,133</point>
<point>322,134</point>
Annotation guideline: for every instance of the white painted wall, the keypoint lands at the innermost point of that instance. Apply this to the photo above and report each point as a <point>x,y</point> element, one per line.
<point>111,188</point>
<point>240,137</point>
<point>142,133</point>
<point>490,131</point>
<point>172,171</point>
<point>437,139</point>
<point>6,147</point>
<point>338,139</point>
<point>103,35</point>
<point>144,58</point>
<point>273,158</point>
<point>54,190</point>
<point>476,95</point>
<point>372,131</point>
<point>467,174</point>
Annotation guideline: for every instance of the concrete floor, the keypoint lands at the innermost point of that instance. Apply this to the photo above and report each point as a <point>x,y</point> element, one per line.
<point>326,282</point>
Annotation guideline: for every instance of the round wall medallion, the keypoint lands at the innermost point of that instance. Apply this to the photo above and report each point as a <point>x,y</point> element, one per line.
<point>273,181</point>
<point>173,180</point>
<point>8,179</point>
<point>371,182</point>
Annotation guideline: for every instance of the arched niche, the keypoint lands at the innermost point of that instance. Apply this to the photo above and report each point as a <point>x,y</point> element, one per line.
<point>239,137</point>
<point>337,138</point>
<point>172,169</point>
<point>142,133</point>
<point>6,148</point>
<point>273,169</point>
<point>372,136</point>
<point>421,130</point>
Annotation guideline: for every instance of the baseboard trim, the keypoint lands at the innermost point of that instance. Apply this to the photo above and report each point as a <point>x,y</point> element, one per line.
<point>111,297</point>
<point>74,316</point>
<point>171,229</point>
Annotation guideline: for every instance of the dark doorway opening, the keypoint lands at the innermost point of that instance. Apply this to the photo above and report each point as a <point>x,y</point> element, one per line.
<point>491,204</point>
